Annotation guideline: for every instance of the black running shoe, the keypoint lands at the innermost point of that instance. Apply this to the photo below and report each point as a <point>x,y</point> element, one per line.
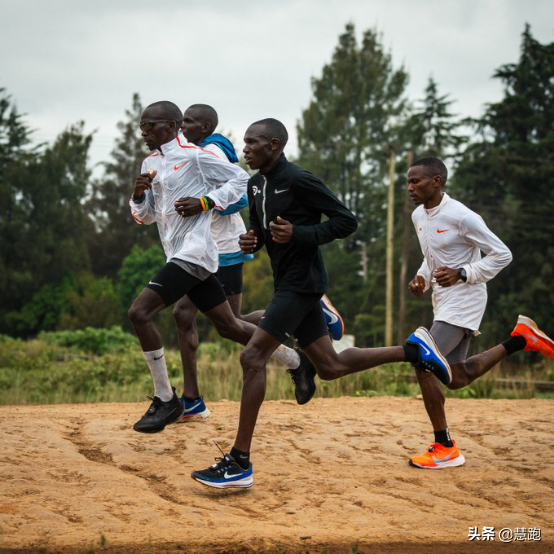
<point>303,379</point>
<point>159,415</point>
<point>224,474</point>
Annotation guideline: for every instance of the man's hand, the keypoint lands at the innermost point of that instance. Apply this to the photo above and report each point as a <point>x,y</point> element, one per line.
<point>143,182</point>
<point>188,206</point>
<point>281,231</point>
<point>417,285</point>
<point>248,242</point>
<point>446,276</point>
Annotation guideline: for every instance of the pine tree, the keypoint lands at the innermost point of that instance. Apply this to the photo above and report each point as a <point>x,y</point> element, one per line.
<point>115,231</point>
<point>358,102</point>
<point>507,177</point>
<point>432,130</point>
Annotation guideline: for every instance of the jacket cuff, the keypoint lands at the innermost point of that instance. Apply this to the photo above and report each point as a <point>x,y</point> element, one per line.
<point>302,234</point>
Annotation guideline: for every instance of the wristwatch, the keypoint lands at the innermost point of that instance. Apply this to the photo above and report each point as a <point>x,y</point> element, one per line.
<point>463,275</point>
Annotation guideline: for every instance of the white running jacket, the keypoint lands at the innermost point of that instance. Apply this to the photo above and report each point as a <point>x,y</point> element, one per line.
<point>226,229</point>
<point>185,170</point>
<point>454,236</point>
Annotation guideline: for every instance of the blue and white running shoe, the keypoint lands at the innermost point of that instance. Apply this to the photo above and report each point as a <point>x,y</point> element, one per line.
<point>193,410</point>
<point>224,474</point>
<point>333,318</point>
<point>430,357</point>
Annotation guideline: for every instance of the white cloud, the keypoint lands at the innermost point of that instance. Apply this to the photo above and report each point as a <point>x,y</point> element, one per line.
<point>71,60</point>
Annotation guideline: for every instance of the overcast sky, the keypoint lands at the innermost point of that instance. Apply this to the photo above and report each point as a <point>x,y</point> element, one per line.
<point>66,60</point>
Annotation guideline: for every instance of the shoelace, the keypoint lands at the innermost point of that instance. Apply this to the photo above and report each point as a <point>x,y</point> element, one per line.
<point>222,463</point>
<point>156,403</point>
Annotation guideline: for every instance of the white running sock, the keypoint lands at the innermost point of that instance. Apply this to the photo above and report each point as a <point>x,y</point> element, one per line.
<point>158,368</point>
<point>287,356</point>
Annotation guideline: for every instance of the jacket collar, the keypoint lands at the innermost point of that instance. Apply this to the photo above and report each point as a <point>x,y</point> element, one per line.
<point>281,163</point>
<point>437,209</point>
<point>174,145</point>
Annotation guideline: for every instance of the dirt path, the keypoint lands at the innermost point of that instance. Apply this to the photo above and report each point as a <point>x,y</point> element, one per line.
<point>329,477</point>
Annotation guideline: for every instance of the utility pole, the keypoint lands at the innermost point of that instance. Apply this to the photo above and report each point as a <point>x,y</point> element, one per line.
<point>403,285</point>
<point>389,152</point>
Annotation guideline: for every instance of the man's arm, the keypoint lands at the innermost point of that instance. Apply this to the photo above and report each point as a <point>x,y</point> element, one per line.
<point>234,208</point>
<point>498,256</point>
<point>142,201</point>
<point>216,171</point>
<point>314,193</point>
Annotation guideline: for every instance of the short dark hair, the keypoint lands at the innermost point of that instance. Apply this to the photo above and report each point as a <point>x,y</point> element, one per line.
<point>169,110</point>
<point>275,129</point>
<point>207,113</point>
<point>435,165</point>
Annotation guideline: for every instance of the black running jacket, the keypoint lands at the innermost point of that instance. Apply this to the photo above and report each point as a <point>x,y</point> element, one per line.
<point>300,197</point>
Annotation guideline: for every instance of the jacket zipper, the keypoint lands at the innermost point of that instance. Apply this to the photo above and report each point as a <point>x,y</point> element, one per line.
<point>263,202</point>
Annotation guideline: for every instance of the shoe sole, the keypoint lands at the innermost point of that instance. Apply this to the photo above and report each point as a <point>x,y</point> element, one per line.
<point>159,428</point>
<point>202,415</point>
<point>456,462</point>
<point>241,484</point>
<point>332,310</point>
<point>429,341</point>
<point>536,332</point>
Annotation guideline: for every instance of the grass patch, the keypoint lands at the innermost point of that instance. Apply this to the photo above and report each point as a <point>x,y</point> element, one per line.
<point>98,365</point>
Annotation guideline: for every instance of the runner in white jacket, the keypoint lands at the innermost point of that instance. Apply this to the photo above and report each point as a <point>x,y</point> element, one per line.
<point>199,123</point>
<point>452,238</point>
<point>179,186</point>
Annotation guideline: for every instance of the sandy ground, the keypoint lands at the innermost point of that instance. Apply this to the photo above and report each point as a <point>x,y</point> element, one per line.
<point>331,476</point>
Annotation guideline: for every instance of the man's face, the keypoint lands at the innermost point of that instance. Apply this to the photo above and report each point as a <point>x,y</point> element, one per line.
<point>193,127</point>
<point>155,128</point>
<point>423,186</point>
<point>258,151</point>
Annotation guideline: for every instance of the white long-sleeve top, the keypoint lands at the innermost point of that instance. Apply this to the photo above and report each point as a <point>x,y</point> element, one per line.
<point>454,236</point>
<point>185,170</point>
<point>226,229</point>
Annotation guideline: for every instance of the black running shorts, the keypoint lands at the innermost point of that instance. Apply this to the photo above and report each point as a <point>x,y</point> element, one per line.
<point>173,282</point>
<point>230,277</point>
<point>294,313</point>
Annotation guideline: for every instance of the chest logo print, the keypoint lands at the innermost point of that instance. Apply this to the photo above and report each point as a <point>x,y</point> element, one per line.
<point>280,191</point>
<point>442,230</point>
<point>176,167</point>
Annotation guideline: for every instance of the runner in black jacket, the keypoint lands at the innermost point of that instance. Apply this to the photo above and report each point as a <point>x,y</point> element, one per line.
<point>298,197</point>
<point>286,208</point>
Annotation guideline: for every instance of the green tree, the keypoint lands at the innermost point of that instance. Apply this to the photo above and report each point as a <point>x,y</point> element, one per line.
<point>92,303</point>
<point>432,129</point>
<point>43,218</point>
<point>15,137</point>
<point>136,270</point>
<point>507,177</point>
<point>115,231</point>
<point>357,107</point>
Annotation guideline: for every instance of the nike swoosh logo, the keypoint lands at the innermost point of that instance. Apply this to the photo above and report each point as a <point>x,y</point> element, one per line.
<point>332,316</point>
<point>534,339</point>
<point>176,167</point>
<point>159,357</point>
<point>192,408</point>
<point>231,475</point>
<point>442,230</point>
<point>444,459</point>
<point>280,191</point>
<point>427,351</point>
<point>152,283</point>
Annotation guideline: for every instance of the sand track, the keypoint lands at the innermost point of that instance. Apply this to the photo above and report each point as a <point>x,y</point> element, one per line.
<point>329,477</point>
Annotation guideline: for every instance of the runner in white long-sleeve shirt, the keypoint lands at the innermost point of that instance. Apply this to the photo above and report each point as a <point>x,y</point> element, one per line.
<point>452,238</point>
<point>179,185</point>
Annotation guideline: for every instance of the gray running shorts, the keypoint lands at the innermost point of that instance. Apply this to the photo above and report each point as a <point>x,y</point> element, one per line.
<point>453,341</point>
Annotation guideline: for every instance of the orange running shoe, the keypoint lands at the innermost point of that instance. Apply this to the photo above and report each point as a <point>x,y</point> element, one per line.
<point>535,339</point>
<point>439,456</point>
